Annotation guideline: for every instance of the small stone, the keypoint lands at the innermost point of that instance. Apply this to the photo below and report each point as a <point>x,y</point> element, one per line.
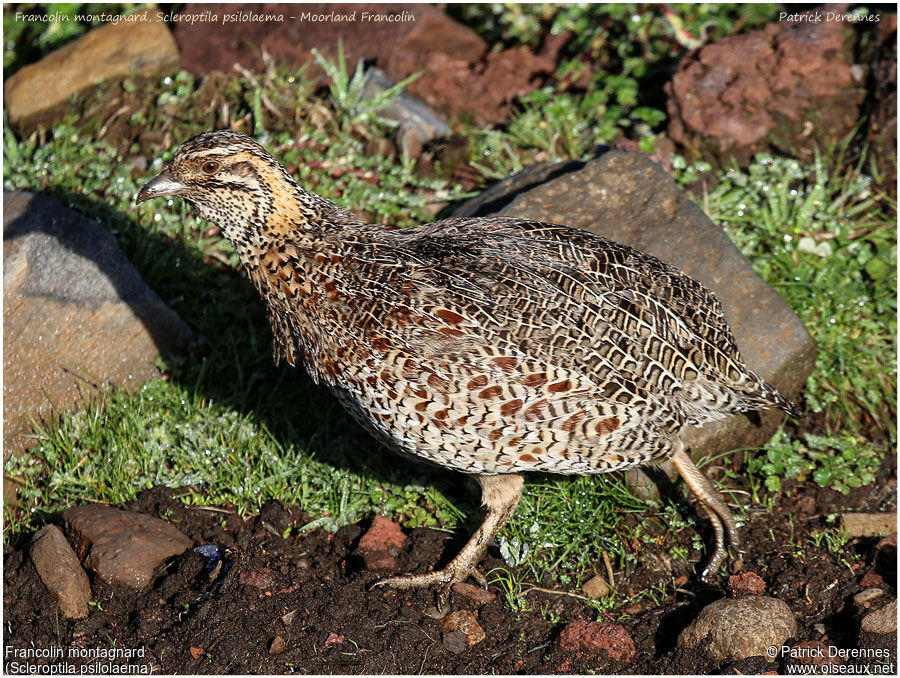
<point>454,641</point>
<point>746,584</point>
<point>863,598</point>
<point>681,581</point>
<point>288,617</point>
<point>197,652</point>
<point>881,621</point>
<point>474,593</point>
<point>597,640</point>
<point>263,578</point>
<point>741,628</point>
<point>40,93</point>
<point>123,547</point>
<point>381,562</point>
<point>277,645</point>
<point>595,588</point>
<point>634,609</point>
<point>334,639</point>
<point>869,524</point>
<point>62,574</point>
<point>464,622</point>
<point>871,580</point>
<point>383,535</point>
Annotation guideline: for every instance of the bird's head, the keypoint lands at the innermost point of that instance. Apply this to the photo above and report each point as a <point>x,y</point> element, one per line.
<point>231,180</point>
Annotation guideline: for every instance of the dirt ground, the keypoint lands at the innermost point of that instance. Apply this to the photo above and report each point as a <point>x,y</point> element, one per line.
<point>259,603</point>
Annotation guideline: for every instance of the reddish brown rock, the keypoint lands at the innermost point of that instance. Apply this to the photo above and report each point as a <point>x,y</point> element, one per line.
<point>458,74</point>
<point>597,640</point>
<point>121,546</point>
<point>62,574</point>
<point>139,45</point>
<point>870,580</point>
<point>383,535</point>
<point>788,87</point>
<point>461,625</point>
<point>746,584</point>
<point>474,593</point>
<point>262,578</point>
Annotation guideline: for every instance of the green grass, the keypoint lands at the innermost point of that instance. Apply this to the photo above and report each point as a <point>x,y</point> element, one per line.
<point>228,427</point>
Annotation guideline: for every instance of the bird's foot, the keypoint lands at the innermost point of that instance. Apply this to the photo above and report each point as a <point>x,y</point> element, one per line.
<point>455,571</point>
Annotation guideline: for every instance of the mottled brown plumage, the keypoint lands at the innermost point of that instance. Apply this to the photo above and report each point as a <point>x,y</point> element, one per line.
<point>491,346</point>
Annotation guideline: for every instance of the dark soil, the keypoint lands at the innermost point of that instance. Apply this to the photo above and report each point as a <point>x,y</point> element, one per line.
<point>265,604</point>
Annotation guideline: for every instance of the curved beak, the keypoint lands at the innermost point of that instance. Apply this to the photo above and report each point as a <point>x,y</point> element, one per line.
<point>162,184</point>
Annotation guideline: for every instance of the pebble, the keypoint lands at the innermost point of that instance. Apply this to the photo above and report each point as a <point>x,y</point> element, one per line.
<point>871,580</point>
<point>474,593</point>
<point>597,640</point>
<point>596,588</point>
<point>263,578</point>
<point>62,574</point>
<point>334,639</point>
<point>746,584</point>
<point>381,544</point>
<point>465,623</point>
<point>123,547</point>
<point>741,628</point>
<point>869,524</point>
<point>277,645</point>
<point>863,598</point>
<point>881,621</point>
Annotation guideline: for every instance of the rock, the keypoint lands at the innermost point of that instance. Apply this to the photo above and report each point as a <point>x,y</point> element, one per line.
<point>870,580</point>
<point>869,524</point>
<point>381,544</point>
<point>277,646</point>
<point>787,87</point>
<point>746,584</point>
<point>383,535</point>
<point>139,45</point>
<point>77,316</point>
<point>122,547</point>
<point>597,640</point>
<point>596,588</point>
<point>881,621</point>
<point>62,574</point>
<point>459,76</point>
<point>864,598</point>
<point>740,628</point>
<point>641,485</point>
<point>417,125</point>
<point>462,622</point>
<point>262,579</point>
<point>474,593</point>
<point>626,197</point>
<point>334,639</point>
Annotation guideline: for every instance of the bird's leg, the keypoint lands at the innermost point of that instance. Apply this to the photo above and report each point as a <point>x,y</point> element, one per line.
<point>501,495</point>
<point>712,504</point>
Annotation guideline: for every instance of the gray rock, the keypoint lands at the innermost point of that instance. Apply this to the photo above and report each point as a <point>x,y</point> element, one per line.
<point>626,197</point>
<point>141,45</point>
<point>881,621</point>
<point>62,574</point>
<point>417,124</point>
<point>122,547</point>
<point>741,628</point>
<point>77,316</point>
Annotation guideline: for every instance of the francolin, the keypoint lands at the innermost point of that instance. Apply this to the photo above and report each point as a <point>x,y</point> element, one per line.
<point>490,346</point>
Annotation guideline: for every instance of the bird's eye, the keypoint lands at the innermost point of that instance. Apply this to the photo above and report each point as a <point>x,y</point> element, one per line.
<point>210,167</point>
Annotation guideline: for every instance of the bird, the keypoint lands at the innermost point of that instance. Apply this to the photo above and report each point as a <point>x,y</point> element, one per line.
<point>491,346</point>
